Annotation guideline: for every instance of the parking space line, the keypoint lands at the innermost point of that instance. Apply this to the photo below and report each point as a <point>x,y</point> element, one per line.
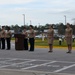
<point>17,63</point>
<point>62,69</point>
<point>36,60</point>
<point>65,62</point>
<point>38,65</point>
<point>10,59</point>
<point>56,61</point>
<point>47,60</point>
<point>3,61</point>
<point>17,59</point>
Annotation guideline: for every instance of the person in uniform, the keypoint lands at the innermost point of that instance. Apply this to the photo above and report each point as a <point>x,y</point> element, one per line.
<point>50,34</point>
<point>25,39</point>
<point>3,37</point>
<point>8,38</point>
<point>31,38</point>
<point>68,37</point>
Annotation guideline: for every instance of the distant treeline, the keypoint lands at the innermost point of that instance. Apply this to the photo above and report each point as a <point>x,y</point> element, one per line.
<point>40,28</point>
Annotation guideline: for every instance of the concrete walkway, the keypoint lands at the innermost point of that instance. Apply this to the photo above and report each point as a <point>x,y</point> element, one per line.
<point>19,72</point>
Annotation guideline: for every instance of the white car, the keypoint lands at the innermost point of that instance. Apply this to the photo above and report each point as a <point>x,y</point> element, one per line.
<point>38,36</point>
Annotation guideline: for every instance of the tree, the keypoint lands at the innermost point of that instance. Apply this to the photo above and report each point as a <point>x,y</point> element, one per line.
<point>74,29</point>
<point>16,28</point>
<point>61,29</point>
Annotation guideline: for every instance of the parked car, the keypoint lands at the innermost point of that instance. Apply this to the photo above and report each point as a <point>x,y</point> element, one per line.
<point>39,36</point>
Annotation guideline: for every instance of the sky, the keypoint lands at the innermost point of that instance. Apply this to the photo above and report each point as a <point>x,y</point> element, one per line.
<point>37,12</point>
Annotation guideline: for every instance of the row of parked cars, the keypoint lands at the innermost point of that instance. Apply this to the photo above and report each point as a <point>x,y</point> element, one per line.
<point>55,36</point>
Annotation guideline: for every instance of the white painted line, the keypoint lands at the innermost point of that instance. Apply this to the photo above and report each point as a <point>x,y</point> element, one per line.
<point>55,60</point>
<point>6,58</point>
<point>65,62</point>
<point>10,59</point>
<point>17,63</point>
<point>46,60</point>
<point>38,65</point>
<point>39,60</point>
<point>3,61</point>
<point>17,59</point>
<point>53,65</point>
<point>62,69</point>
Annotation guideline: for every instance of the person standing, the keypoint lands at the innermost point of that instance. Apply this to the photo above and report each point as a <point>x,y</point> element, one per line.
<point>3,37</point>
<point>31,38</point>
<point>60,41</point>
<point>68,37</point>
<point>8,38</point>
<point>25,39</point>
<point>50,34</point>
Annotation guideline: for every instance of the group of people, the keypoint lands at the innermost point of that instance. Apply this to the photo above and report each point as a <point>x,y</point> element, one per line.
<point>50,38</point>
<point>68,37</point>
<point>31,37</point>
<point>5,36</point>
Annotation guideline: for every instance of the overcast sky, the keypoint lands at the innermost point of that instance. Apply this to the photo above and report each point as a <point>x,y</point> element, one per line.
<point>36,11</point>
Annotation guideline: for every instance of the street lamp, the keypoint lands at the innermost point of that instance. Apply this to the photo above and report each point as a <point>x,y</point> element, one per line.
<point>74,20</point>
<point>30,22</point>
<point>39,24</point>
<point>65,19</point>
<point>24,19</point>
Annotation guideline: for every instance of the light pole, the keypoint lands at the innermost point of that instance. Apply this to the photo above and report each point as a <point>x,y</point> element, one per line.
<point>65,19</point>
<point>30,22</point>
<point>39,24</point>
<point>74,20</point>
<point>24,19</point>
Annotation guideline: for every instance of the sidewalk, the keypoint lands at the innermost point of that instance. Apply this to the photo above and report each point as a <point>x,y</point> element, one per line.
<point>19,72</point>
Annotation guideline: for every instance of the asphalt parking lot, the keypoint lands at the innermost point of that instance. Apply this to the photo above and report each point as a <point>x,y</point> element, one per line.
<point>39,60</point>
<point>38,65</point>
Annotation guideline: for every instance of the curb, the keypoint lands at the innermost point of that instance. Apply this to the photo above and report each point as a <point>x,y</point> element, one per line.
<point>53,47</point>
<point>25,72</point>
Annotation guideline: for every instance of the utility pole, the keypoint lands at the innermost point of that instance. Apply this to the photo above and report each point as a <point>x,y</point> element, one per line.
<point>24,18</point>
<point>65,19</point>
<point>74,20</point>
<point>30,22</point>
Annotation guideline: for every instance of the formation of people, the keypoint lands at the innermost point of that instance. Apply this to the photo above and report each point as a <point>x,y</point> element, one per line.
<point>68,37</point>
<point>50,38</point>
<point>30,36</point>
<point>5,36</point>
